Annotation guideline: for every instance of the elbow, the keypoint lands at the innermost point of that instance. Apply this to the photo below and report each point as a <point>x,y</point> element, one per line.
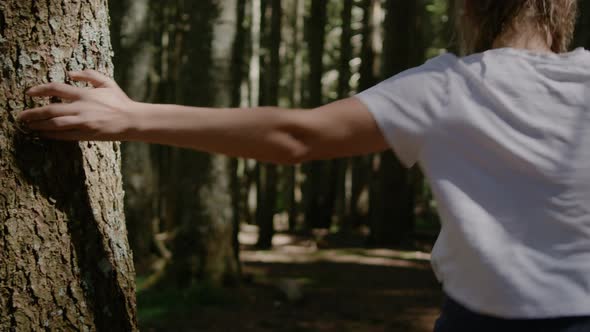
<point>291,140</point>
<point>294,157</point>
<point>290,151</point>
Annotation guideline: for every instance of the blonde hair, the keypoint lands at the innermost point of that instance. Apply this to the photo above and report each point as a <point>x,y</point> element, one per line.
<point>481,22</point>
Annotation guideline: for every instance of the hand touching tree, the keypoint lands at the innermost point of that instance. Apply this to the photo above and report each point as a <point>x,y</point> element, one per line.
<point>98,113</point>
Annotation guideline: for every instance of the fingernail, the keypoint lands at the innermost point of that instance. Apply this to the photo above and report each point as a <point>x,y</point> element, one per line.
<point>29,91</point>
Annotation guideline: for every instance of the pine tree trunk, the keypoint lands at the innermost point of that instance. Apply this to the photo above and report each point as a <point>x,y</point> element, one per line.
<point>392,197</point>
<point>452,26</point>
<point>134,45</point>
<point>266,206</point>
<point>203,246</point>
<point>344,74</point>
<point>65,260</point>
<point>361,168</point>
<point>318,203</point>
<point>296,87</point>
<point>582,38</point>
<point>238,75</point>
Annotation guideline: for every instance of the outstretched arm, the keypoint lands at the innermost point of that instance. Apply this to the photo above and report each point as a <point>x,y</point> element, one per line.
<point>340,129</point>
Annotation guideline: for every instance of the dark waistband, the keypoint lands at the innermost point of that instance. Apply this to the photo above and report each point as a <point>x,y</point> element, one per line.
<point>457,318</point>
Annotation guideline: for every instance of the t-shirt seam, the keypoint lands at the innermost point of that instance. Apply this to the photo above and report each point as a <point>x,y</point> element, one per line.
<point>438,113</point>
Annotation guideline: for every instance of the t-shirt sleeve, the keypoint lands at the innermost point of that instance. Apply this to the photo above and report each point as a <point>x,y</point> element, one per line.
<point>407,105</point>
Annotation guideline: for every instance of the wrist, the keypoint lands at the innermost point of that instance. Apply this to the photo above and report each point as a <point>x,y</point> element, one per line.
<point>134,121</point>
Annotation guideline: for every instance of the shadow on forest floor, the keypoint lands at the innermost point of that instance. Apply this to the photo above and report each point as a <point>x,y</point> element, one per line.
<point>297,287</point>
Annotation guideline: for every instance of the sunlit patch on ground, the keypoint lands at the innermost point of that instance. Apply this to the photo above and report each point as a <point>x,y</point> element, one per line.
<point>302,285</point>
<point>289,248</point>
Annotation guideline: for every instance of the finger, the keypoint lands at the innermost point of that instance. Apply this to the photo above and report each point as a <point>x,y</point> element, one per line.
<point>93,77</point>
<point>55,89</point>
<point>61,123</point>
<point>47,112</point>
<point>69,135</point>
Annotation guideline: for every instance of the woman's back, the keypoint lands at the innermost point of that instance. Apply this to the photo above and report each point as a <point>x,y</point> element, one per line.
<point>506,147</point>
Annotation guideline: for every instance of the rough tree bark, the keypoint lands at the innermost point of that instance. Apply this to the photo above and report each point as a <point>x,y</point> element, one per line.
<point>65,260</point>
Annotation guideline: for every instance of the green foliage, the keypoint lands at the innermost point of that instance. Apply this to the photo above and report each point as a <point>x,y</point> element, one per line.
<point>155,304</point>
<point>440,22</point>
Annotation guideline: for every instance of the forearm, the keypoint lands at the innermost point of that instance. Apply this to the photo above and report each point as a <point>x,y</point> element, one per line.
<point>266,134</point>
<point>340,129</point>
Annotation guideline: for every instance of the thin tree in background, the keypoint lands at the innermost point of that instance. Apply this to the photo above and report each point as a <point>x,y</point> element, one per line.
<point>361,168</point>
<point>252,167</point>
<point>135,56</point>
<point>267,198</point>
<point>450,34</point>
<point>238,75</point>
<point>582,38</point>
<point>167,28</point>
<point>295,102</point>
<point>344,75</point>
<point>392,197</point>
<point>318,208</point>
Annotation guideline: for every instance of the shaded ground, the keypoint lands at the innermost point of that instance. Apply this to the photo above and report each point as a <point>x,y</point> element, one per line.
<point>300,288</point>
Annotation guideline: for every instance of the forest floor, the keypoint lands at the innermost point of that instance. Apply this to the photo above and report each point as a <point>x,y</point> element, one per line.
<point>305,285</point>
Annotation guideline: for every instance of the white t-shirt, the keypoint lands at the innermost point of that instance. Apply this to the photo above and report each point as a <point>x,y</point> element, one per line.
<point>504,140</point>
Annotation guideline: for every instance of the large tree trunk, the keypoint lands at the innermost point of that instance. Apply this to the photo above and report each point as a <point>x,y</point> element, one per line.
<point>203,243</point>
<point>65,260</point>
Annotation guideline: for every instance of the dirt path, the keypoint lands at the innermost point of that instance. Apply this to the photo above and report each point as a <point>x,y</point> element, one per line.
<point>334,290</point>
